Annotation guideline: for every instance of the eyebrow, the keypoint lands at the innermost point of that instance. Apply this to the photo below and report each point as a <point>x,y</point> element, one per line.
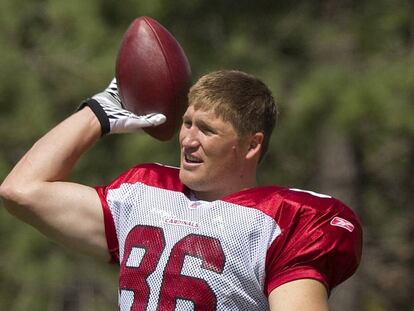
<point>206,126</point>
<point>202,124</point>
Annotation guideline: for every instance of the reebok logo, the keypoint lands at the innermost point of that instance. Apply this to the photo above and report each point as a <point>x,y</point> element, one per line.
<point>343,223</point>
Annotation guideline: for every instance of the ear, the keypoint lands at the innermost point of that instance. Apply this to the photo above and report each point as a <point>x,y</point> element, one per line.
<point>255,146</point>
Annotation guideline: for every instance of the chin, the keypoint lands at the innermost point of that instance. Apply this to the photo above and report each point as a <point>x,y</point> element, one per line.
<point>193,182</point>
<point>185,178</point>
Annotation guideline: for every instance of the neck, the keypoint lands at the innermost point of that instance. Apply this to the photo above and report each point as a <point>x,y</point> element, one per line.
<point>220,193</point>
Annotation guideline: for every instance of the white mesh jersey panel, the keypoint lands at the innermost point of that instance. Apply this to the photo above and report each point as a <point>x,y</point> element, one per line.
<point>189,247</point>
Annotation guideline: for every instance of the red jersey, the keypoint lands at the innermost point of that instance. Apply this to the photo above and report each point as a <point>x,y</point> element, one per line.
<point>179,253</point>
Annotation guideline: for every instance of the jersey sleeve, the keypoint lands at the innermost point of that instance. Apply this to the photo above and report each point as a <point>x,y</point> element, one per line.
<point>320,239</point>
<point>113,198</point>
<point>110,230</point>
<point>112,205</point>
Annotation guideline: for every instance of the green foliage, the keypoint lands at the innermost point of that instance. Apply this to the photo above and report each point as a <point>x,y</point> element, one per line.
<point>342,72</point>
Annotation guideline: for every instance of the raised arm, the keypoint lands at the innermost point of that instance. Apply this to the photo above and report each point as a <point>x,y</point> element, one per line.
<point>35,190</point>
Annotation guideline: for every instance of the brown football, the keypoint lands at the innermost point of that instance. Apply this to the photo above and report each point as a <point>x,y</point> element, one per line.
<point>153,74</point>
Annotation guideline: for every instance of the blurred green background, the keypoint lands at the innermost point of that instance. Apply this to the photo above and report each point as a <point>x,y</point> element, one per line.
<point>341,71</point>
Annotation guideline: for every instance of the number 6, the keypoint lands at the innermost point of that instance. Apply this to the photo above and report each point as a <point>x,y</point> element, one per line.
<point>174,285</point>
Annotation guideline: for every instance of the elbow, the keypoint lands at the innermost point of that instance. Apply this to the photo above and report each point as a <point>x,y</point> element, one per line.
<point>19,200</point>
<point>14,194</point>
<point>7,192</point>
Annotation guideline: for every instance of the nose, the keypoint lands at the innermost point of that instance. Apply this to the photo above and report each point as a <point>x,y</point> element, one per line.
<point>189,137</point>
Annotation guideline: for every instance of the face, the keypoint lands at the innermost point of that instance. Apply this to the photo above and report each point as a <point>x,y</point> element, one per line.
<point>212,154</point>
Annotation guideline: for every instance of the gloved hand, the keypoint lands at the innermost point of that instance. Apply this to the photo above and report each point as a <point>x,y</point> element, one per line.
<point>110,112</point>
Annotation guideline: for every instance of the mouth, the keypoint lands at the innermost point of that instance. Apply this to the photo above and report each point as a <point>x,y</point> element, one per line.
<point>191,159</point>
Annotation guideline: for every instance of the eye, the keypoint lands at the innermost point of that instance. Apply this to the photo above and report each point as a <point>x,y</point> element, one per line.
<point>207,130</point>
<point>187,123</point>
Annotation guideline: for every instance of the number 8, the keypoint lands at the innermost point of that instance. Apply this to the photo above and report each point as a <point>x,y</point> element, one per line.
<point>174,285</point>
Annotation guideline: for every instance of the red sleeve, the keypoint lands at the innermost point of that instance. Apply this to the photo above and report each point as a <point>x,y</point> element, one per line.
<point>110,231</point>
<point>320,238</point>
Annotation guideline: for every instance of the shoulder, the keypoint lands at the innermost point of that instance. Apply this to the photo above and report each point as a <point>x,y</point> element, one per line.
<point>286,204</point>
<point>307,214</point>
<point>150,174</point>
<point>321,238</point>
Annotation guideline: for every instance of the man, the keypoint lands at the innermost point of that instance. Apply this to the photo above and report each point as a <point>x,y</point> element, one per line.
<point>201,237</point>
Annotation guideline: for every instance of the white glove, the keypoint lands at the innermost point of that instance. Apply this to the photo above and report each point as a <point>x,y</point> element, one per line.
<point>110,112</point>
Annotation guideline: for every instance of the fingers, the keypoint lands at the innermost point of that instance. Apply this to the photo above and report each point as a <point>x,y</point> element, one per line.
<point>134,123</point>
<point>154,119</point>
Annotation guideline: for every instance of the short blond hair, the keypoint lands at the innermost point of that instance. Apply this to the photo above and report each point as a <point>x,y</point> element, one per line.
<point>239,98</point>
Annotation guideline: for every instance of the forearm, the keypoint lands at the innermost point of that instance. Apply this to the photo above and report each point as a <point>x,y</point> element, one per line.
<point>54,155</point>
<point>66,212</point>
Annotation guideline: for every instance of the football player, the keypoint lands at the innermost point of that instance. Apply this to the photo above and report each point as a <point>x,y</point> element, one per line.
<point>204,236</point>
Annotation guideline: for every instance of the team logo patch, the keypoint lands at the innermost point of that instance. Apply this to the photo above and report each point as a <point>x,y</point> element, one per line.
<point>194,205</point>
<point>343,223</point>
